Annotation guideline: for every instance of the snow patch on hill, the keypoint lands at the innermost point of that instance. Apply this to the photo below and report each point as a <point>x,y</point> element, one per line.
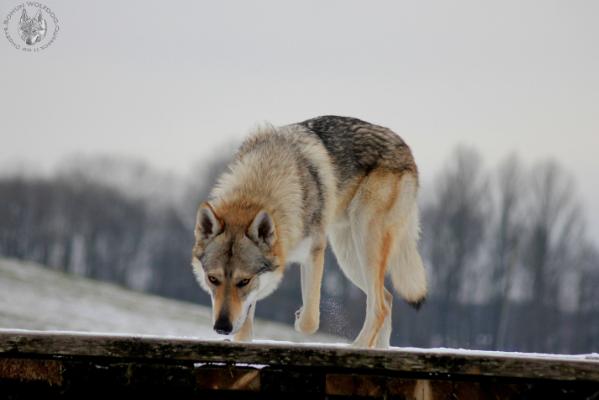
<point>36,298</point>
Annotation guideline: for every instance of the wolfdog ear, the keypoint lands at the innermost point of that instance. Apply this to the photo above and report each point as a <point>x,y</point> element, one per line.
<point>208,224</point>
<point>262,229</point>
<point>24,16</point>
<point>39,16</point>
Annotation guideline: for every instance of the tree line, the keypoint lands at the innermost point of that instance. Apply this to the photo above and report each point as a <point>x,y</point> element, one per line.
<point>510,262</point>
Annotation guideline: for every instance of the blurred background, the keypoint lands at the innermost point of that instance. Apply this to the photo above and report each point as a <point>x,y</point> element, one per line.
<point>111,136</point>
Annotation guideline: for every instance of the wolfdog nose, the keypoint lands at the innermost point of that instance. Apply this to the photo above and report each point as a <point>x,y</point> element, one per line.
<point>223,326</point>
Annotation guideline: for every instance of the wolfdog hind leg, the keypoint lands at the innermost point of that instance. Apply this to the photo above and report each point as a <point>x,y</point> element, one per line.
<point>345,251</point>
<point>371,224</point>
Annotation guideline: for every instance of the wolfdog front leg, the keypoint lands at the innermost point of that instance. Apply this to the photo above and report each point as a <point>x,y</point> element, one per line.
<point>308,316</point>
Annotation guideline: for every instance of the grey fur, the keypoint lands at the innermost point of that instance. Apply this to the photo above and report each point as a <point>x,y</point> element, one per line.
<point>313,194</point>
<point>233,254</point>
<point>357,147</point>
<point>293,142</point>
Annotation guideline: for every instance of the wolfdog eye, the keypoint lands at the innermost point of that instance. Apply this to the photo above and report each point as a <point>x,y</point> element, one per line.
<point>243,283</point>
<point>213,280</point>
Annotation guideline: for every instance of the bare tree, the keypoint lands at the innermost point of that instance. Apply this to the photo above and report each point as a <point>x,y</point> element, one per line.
<point>587,310</point>
<point>506,249</point>
<point>554,223</point>
<point>454,230</point>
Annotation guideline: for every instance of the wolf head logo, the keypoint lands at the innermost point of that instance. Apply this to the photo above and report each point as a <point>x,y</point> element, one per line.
<point>33,30</point>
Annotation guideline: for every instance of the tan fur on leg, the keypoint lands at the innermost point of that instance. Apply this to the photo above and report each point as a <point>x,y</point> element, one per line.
<point>381,309</point>
<point>384,338</point>
<point>372,226</point>
<point>308,319</point>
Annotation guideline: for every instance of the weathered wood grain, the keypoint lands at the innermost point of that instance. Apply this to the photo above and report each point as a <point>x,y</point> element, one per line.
<point>24,370</point>
<point>27,344</point>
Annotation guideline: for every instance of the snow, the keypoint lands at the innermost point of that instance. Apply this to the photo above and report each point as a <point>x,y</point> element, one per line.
<point>594,357</point>
<point>36,298</point>
<point>500,354</point>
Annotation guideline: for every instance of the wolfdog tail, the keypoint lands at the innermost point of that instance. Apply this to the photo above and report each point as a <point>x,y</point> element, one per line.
<point>406,268</point>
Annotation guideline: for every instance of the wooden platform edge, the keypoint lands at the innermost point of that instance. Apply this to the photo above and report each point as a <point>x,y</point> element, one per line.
<point>167,350</point>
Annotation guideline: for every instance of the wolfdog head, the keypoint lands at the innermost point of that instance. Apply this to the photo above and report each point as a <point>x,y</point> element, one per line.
<point>236,259</point>
<point>33,30</point>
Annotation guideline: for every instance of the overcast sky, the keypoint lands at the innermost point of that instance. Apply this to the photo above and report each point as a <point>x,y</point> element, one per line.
<point>171,82</point>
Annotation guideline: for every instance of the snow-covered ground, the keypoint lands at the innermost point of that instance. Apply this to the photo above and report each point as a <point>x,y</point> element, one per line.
<point>36,298</point>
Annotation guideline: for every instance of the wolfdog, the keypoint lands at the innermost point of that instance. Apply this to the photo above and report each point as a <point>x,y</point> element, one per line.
<point>289,189</point>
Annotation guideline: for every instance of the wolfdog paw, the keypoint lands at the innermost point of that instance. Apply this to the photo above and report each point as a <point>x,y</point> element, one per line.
<point>306,322</point>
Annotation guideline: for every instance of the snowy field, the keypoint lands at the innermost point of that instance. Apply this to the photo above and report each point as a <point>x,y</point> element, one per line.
<point>36,298</point>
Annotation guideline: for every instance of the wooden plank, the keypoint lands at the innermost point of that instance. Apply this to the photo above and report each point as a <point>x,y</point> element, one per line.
<point>427,365</point>
<point>351,385</point>
<point>23,370</point>
<point>372,386</point>
<point>245,379</point>
<point>80,377</point>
